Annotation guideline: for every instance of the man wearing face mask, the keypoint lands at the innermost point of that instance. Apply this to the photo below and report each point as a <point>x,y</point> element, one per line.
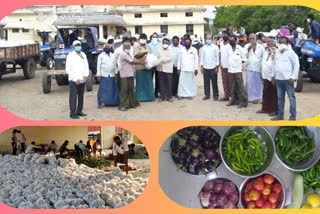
<point>209,62</point>
<point>155,45</point>
<point>77,68</point>
<point>315,29</point>
<point>108,93</point>
<point>144,83</point>
<point>254,53</point>
<point>285,70</point>
<point>237,57</point>
<point>165,69</point>
<point>224,47</point>
<point>187,69</point>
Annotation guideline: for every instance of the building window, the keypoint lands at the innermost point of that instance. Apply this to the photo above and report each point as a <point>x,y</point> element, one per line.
<point>15,30</point>
<point>25,30</point>
<point>164,28</point>
<point>189,14</point>
<point>138,29</point>
<point>119,30</point>
<point>105,31</point>
<point>163,14</point>
<point>189,29</point>
<point>138,15</point>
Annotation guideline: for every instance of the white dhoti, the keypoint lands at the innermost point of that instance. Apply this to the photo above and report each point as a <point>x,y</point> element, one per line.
<point>187,86</point>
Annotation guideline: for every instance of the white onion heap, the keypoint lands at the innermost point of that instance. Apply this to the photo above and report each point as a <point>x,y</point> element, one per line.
<point>38,181</point>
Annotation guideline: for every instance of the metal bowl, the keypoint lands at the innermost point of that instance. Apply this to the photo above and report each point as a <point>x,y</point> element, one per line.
<point>267,142</point>
<point>305,165</point>
<point>282,200</point>
<point>226,179</point>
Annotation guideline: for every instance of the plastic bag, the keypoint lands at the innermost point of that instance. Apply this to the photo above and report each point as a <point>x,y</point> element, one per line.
<point>151,61</point>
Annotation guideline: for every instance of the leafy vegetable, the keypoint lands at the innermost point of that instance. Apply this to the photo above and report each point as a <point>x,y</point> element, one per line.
<point>93,162</point>
<point>293,145</point>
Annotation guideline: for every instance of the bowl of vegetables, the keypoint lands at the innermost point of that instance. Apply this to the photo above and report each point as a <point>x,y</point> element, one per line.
<point>247,151</point>
<point>195,150</point>
<point>297,147</point>
<point>263,192</point>
<point>219,193</point>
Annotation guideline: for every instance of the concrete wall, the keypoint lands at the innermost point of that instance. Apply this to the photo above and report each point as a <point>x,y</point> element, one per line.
<point>46,134</point>
<point>31,35</point>
<point>107,133</point>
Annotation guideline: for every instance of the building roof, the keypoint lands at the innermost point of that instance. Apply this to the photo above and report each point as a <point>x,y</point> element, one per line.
<point>195,22</point>
<point>137,9</point>
<point>88,19</point>
<point>31,24</point>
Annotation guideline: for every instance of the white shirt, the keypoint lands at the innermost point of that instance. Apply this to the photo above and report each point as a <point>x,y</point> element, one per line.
<point>106,65</point>
<point>165,57</point>
<point>285,65</point>
<point>267,62</point>
<point>176,53</point>
<point>254,58</point>
<point>224,48</point>
<point>188,60</point>
<point>210,56</point>
<point>301,36</point>
<point>119,149</point>
<point>117,53</point>
<point>76,67</point>
<point>31,147</point>
<point>235,59</point>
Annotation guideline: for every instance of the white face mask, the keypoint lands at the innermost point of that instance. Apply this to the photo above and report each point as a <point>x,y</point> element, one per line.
<point>283,47</point>
<point>143,41</point>
<point>165,46</point>
<point>308,20</point>
<point>127,51</point>
<point>154,40</point>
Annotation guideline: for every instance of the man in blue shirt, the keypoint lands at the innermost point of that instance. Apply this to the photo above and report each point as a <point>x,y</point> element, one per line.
<point>154,45</point>
<point>315,29</point>
<point>209,62</point>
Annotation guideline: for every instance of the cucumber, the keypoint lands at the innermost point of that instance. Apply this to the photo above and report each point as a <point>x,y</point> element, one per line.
<point>297,193</point>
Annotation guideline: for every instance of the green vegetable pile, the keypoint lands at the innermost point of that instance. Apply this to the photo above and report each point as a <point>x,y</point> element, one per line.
<point>294,145</point>
<point>93,162</point>
<point>139,156</point>
<point>243,151</point>
<point>311,178</point>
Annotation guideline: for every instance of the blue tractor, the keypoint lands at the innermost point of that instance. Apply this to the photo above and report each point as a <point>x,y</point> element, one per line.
<point>310,63</point>
<point>63,46</point>
<point>47,49</point>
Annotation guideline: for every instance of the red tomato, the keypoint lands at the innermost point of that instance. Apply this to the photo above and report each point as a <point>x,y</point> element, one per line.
<point>266,191</point>
<point>246,197</point>
<point>273,197</point>
<point>276,188</point>
<point>251,205</point>
<point>249,186</point>
<point>268,179</point>
<point>259,179</point>
<point>268,186</point>
<point>267,205</point>
<point>259,202</point>
<point>258,185</point>
<point>274,205</point>
<point>254,195</point>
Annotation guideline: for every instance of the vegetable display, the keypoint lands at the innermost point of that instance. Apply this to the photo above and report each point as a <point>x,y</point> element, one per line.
<point>293,145</point>
<point>262,192</point>
<point>219,193</point>
<point>243,151</point>
<point>195,149</point>
<point>311,178</point>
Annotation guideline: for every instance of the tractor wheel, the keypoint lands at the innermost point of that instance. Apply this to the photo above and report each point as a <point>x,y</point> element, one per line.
<point>50,63</point>
<point>29,68</point>
<point>62,80</point>
<point>46,83</point>
<point>298,84</point>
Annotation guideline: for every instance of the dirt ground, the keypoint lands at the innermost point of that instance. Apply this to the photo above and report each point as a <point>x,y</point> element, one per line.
<point>26,99</point>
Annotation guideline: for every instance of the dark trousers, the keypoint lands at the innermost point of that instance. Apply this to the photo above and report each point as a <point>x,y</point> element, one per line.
<point>269,98</point>
<point>238,93</point>
<point>78,152</point>
<point>175,81</point>
<point>165,82</point>
<point>210,75</point>
<point>23,147</point>
<point>76,97</point>
<point>14,148</point>
<point>155,73</point>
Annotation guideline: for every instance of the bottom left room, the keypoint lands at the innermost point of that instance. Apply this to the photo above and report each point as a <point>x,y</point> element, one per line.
<point>71,167</point>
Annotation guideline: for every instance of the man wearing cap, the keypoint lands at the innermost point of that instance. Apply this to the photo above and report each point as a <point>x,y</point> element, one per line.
<point>77,68</point>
